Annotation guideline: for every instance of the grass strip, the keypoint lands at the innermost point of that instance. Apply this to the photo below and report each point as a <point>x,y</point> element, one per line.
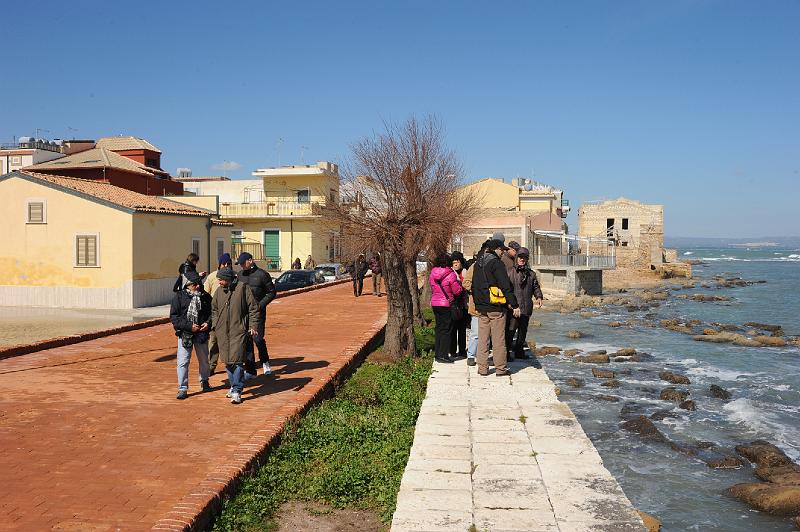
<point>349,451</point>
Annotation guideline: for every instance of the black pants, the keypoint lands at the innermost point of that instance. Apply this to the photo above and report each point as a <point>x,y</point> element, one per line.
<point>444,330</point>
<point>358,286</point>
<point>458,338</point>
<point>261,345</point>
<point>518,326</point>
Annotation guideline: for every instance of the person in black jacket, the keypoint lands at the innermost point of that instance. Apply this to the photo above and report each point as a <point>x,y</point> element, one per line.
<point>490,273</point>
<point>190,265</point>
<point>190,314</point>
<point>260,282</point>
<point>526,287</point>
<point>358,270</point>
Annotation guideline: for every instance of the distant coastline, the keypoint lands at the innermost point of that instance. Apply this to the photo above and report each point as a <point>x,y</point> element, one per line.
<point>684,242</point>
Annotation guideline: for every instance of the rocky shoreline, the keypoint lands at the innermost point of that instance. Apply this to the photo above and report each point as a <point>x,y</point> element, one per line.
<point>778,490</point>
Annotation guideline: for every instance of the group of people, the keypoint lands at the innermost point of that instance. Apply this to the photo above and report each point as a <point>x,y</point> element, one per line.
<point>309,265</point>
<point>221,316</point>
<point>358,270</point>
<point>492,296</point>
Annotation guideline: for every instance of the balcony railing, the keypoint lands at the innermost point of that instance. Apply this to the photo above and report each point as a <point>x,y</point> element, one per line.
<point>603,262</point>
<point>256,249</point>
<point>267,209</point>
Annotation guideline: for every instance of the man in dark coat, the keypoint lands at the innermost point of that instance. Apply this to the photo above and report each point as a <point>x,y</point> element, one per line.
<point>260,282</point>
<point>526,287</point>
<point>490,273</point>
<point>358,270</point>
<point>190,314</point>
<point>234,312</point>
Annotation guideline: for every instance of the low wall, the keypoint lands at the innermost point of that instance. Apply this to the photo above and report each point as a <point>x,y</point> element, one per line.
<point>566,281</point>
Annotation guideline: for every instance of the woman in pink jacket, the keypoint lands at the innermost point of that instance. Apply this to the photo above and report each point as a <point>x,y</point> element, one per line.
<point>445,291</point>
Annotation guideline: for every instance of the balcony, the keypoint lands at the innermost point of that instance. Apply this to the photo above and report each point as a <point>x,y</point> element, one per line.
<point>270,209</point>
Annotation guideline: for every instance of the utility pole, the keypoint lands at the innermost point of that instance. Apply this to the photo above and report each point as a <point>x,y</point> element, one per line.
<point>302,154</point>
<point>278,146</point>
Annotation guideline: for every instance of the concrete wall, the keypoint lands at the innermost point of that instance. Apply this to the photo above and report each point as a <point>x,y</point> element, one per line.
<point>560,282</point>
<point>209,203</point>
<point>494,194</point>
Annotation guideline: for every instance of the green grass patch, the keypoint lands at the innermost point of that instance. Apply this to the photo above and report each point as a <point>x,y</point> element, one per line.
<point>349,451</point>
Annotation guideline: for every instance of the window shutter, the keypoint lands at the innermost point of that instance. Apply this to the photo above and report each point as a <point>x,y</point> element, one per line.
<point>86,250</point>
<point>35,212</point>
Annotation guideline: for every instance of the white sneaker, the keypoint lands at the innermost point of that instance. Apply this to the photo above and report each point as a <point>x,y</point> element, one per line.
<point>267,369</point>
<point>236,398</point>
<point>230,392</point>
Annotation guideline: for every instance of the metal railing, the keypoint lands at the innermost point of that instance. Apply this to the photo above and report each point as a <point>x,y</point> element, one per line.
<point>257,250</point>
<point>590,261</point>
<point>265,209</point>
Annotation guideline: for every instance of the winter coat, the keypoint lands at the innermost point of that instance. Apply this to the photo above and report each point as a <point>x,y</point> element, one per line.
<point>375,265</point>
<point>180,306</point>
<point>234,311</point>
<point>358,269</point>
<point>508,261</point>
<point>310,264</point>
<point>527,290</point>
<point>490,271</point>
<point>449,283</point>
<point>260,282</point>
<point>467,283</point>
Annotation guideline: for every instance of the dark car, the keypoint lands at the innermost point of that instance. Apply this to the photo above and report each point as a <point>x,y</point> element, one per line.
<point>289,280</point>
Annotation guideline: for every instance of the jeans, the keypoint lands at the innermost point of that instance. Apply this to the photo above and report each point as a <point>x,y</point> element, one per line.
<point>236,377</point>
<point>491,325</point>
<point>261,344</point>
<point>443,330</point>
<point>184,356</point>
<point>472,342</point>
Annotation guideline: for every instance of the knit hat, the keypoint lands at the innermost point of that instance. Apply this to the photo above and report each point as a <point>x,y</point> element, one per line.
<point>523,252</point>
<point>499,236</point>
<point>243,257</point>
<point>225,258</point>
<point>225,274</point>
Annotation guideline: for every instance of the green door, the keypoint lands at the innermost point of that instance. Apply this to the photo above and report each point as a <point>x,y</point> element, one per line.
<point>272,249</point>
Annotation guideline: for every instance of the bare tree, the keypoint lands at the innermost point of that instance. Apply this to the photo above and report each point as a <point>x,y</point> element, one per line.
<point>403,198</point>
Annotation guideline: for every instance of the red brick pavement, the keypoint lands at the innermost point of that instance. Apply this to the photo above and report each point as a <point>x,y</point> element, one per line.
<point>92,438</point>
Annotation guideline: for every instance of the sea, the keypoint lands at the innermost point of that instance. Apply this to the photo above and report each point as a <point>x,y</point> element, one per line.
<point>682,491</point>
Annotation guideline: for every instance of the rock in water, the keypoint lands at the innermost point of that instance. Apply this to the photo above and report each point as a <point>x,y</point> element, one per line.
<point>770,498</point>
<point>764,326</point>
<point>771,341</point>
<point>593,359</point>
<point>674,378</point>
<point>574,334</point>
<point>651,523</point>
<point>611,383</point>
<point>723,462</point>
<point>547,350</point>
<point>764,454</point>
<point>673,394</point>
<point>645,428</point>
<point>602,373</point>
<point>688,405</point>
<point>571,352</point>
<point>609,398</point>
<point>626,352</point>
<point>719,392</point>
<point>575,382</point>
<point>785,475</point>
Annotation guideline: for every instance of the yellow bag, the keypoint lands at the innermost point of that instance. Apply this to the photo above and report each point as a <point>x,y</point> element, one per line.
<point>496,296</point>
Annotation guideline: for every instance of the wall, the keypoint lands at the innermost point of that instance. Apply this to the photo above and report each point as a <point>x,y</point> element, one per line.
<point>228,191</point>
<point>37,260</point>
<point>561,282</point>
<point>536,205</point>
<point>209,203</point>
<point>494,194</point>
<point>284,188</point>
<point>310,237</point>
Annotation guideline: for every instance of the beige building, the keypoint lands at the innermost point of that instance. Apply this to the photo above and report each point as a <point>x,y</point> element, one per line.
<point>278,216</point>
<point>71,242</point>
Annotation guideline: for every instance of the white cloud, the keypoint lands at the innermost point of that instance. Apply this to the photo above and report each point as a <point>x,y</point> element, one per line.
<point>226,166</point>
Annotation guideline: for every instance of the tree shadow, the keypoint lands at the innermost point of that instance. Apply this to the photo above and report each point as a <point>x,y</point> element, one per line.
<point>166,358</point>
<point>302,366</point>
<point>271,385</point>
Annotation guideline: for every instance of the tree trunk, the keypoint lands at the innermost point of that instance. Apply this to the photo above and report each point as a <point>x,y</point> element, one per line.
<point>425,297</point>
<point>399,340</point>
<point>413,287</point>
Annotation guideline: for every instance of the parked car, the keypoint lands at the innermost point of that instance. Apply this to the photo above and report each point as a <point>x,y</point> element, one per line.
<point>291,279</point>
<point>332,271</point>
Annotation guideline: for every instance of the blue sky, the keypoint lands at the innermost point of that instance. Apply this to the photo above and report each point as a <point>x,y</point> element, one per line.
<point>694,104</point>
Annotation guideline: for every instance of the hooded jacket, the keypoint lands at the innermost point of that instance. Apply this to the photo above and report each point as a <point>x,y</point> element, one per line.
<point>449,282</point>
<point>234,310</point>
<point>490,271</point>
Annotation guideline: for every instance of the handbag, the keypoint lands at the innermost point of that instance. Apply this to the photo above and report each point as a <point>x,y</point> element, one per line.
<point>496,296</point>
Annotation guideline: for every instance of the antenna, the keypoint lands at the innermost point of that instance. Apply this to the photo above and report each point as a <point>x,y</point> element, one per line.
<point>302,153</point>
<point>72,130</point>
<point>38,129</point>
<point>278,146</point>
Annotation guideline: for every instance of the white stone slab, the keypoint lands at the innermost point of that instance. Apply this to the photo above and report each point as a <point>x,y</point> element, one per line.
<point>531,520</point>
<point>435,480</point>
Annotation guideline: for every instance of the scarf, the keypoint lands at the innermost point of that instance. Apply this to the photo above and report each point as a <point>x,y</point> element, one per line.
<point>523,275</point>
<point>194,307</point>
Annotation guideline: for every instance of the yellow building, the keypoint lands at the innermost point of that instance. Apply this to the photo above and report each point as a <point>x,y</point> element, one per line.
<point>277,217</point>
<point>520,195</point>
<point>71,243</point>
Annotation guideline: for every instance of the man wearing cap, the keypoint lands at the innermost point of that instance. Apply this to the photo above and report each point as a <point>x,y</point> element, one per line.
<point>210,285</point>
<point>490,273</point>
<point>234,312</point>
<point>190,314</point>
<point>510,255</point>
<point>526,287</point>
<point>260,282</point>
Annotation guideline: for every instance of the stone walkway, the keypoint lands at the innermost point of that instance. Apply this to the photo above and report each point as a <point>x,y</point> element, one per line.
<point>93,439</point>
<point>498,453</point>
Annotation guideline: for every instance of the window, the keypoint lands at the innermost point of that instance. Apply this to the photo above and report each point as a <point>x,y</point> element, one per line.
<point>236,235</point>
<point>36,212</point>
<point>220,247</point>
<point>196,246</point>
<point>303,196</point>
<point>16,160</point>
<point>86,251</point>
<point>624,224</point>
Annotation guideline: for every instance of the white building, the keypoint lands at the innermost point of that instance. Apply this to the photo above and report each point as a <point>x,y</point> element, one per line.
<point>27,151</point>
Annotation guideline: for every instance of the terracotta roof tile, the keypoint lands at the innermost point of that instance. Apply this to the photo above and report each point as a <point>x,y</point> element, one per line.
<point>98,158</point>
<point>118,196</point>
<point>125,143</point>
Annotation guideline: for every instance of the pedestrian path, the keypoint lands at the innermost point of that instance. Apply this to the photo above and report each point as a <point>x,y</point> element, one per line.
<point>502,453</point>
<point>93,439</point>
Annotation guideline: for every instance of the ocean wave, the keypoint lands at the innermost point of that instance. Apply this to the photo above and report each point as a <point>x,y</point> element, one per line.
<point>790,258</point>
<point>718,373</point>
<point>689,253</point>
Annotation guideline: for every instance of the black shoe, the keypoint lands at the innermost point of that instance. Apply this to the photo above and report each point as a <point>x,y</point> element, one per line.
<point>205,386</point>
<point>471,362</point>
<point>182,394</point>
<point>502,373</point>
<point>443,360</point>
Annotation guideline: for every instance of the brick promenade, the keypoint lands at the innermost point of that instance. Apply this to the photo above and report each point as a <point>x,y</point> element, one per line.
<point>92,438</point>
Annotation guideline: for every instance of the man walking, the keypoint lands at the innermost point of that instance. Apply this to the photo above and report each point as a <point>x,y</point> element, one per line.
<point>526,287</point>
<point>260,282</point>
<point>493,294</point>
<point>358,270</point>
<point>234,311</point>
<point>377,276</point>
<point>190,314</point>
<point>210,287</point>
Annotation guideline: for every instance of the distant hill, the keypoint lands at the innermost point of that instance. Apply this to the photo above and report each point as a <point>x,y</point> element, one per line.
<point>706,242</point>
